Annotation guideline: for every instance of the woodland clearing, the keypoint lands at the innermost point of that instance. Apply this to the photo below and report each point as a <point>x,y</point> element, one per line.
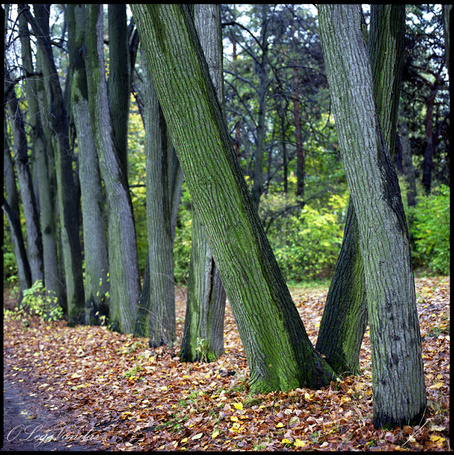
<point>127,397</point>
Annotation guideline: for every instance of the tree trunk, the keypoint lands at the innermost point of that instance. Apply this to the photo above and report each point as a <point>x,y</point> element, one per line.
<point>397,368</point>
<point>93,211</point>
<point>277,348</point>
<point>12,211</point>
<point>261,127</point>
<point>34,87</point>
<point>67,202</point>
<point>119,78</point>
<point>31,215</point>
<point>344,319</point>
<point>206,296</point>
<point>123,262</point>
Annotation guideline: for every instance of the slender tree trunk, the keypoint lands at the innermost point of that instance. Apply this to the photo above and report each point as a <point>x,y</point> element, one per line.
<point>344,319</point>
<point>259,154</point>
<point>68,204</point>
<point>407,164</point>
<point>12,211</point>
<point>119,78</point>
<point>397,368</point>
<point>31,215</point>
<point>278,350</point>
<point>43,189</point>
<point>93,212</point>
<point>123,262</point>
<point>206,296</point>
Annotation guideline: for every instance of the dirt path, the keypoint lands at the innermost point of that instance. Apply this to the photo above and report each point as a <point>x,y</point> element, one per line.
<point>29,427</point>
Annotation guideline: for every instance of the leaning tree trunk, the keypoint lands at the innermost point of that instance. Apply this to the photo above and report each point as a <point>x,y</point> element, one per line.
<point>93,211</point>
<point>203,337</point>
<point>397,367</point>
<point>344,319</point>
<point>123,262</point>
<point>278,350</point>
<point>67,200</point>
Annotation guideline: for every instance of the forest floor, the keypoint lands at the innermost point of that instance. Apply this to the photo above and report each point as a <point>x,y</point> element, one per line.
<point>86,388</point>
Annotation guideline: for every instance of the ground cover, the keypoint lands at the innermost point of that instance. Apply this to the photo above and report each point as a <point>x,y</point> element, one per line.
<point>111,392</point>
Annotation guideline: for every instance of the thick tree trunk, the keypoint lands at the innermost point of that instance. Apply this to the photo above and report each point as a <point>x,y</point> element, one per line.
<point>206,296</point>
<point>123,262</point>
<point>93,212</point>
<point>43,188</point>
<point>277,348</point>
<point>345,316</point>
<point>397,368</point>
<point>67,201</point>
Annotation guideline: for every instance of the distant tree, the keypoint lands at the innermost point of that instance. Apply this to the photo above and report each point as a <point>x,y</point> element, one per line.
<point>67,200</point>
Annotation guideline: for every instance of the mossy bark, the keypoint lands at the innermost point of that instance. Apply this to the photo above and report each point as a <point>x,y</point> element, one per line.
<point>123,261</point>
<point>397,367</point>
<point>279,353</point>
<point>203,338</point>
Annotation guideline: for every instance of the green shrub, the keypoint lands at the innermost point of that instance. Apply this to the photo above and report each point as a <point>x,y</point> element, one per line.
<point>430,230</point>
<point>38,302</point>
<point>307,244</point>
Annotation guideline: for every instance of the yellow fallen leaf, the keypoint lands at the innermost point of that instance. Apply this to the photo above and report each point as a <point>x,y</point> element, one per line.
<point>238,406</point>
<point>435,438</point>
<point>437,385</point>
<point>197,436</point>
<point>215,434</point>
<point>286,441</point>
<point>75,375</point>
<point>234,418</point>
<point>184,440</point>
<point>279,425</point>
<point>299,443</point>
<point>307,396</point>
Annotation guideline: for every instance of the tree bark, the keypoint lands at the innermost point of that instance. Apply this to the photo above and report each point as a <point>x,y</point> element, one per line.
<point>93,211</point>
<point>206,295</point>
<point>397,368</point>
<point>277,348</point>
<point>123,262</point>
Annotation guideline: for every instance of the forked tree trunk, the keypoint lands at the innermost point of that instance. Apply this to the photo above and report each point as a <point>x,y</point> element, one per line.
<point>278,350</point>
<point>397,367</point>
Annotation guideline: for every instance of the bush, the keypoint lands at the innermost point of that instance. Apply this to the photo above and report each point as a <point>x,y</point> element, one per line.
<point>307,244</point>
<point>430,230</point>
<point>38,302</point>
